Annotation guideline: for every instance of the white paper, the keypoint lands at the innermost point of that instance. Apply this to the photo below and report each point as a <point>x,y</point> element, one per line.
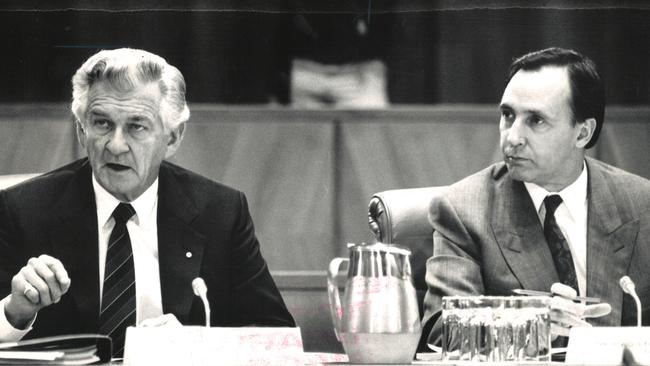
<point>198,346</point>
<point>605,345</point>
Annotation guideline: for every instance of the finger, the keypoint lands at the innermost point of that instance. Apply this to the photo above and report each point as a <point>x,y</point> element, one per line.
<point>152,322</point>
<point>566,305</point>
<point>65,285</point>
<point>163,320</point>
<point>563,290</point>
<point>155,322</point>
<point>167,320</point>
<point>558,330</point>
<point>567,319</point>
<point>171,320</point>
<point>30,275</point>
<point>597,310</point>
<point>44,271</point>
<point>59,271</point>
<point>31,293</point>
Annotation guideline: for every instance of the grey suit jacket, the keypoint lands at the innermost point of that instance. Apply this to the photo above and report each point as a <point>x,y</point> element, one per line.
<point>488,240</point>
<point>55,214</point>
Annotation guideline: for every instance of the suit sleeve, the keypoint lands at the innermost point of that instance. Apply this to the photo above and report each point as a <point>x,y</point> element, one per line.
<point>454,269</point>
<point>8,268</point>
<point>8,252</point>
<point>257,299</point>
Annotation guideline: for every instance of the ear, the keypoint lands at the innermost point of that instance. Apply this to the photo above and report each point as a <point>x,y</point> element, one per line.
<point>81,133</point>
<point>587,128</point>
<point>175,137</point>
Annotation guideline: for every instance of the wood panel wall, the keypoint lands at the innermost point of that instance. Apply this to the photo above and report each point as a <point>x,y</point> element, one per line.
<point>309,175</point>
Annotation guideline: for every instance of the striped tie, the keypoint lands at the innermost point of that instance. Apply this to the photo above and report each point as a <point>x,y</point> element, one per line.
<point>118,298</point>
<point>558,245</point>
<point>560,251</point>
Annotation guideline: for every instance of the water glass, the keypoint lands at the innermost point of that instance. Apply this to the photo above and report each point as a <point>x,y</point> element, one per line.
<point>496,328</point>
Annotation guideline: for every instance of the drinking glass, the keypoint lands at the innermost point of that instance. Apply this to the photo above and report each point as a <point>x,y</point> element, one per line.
<point>496,328</point>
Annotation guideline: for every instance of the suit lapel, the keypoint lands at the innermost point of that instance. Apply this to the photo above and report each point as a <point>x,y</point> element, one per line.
<point>610,243</point>
<point>180,246</point>
<point>74,243</point>
<point>520,236</point>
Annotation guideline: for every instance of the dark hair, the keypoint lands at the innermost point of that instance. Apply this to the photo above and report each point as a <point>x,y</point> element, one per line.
<point>587,89</point>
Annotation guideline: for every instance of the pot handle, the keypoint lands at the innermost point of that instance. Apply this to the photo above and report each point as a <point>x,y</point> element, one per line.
<point>333,293</point>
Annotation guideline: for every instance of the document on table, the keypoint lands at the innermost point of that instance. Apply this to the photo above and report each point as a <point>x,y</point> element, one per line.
<point>75,349</point>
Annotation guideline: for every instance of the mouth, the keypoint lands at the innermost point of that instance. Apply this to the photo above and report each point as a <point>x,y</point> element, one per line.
<point>513,159</point>
<point>117,167</point>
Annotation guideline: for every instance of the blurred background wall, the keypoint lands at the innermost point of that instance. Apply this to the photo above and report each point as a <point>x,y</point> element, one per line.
<point>241,52</point>
<point>309,173</point>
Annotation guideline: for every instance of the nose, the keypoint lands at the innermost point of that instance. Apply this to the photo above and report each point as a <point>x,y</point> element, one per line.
<point>515,135</point>
<point>117,143</point>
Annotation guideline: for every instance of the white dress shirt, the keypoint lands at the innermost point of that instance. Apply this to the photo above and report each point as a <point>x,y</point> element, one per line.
<point>143,231</point>
<point>571,217</point>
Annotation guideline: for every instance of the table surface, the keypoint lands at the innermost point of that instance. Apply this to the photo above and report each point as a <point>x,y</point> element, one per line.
<point>318,358</point>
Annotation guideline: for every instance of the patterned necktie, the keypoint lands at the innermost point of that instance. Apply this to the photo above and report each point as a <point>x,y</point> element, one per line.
<point>557,244</point>
<point>118,297</point>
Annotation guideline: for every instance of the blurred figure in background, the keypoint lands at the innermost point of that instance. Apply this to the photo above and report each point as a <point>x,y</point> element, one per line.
<point>336,60</point>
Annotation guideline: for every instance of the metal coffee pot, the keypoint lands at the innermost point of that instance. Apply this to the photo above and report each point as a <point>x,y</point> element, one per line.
<point>378,320</point>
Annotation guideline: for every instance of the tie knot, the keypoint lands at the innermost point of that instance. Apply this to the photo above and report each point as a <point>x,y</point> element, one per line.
<point>123,212</point>
<point>551,202</point>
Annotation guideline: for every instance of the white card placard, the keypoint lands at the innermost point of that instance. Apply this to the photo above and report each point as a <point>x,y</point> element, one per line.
<point>198,346</point>
<point>605,345</point>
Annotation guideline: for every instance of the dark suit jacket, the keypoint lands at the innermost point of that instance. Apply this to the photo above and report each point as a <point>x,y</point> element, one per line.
<point>488,240</point>
<point>55,214</point>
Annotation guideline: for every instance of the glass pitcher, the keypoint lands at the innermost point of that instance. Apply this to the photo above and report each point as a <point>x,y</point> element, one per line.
<point>378,320</point>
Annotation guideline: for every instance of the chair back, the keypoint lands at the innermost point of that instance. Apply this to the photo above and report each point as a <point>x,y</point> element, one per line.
<point>400,216</point>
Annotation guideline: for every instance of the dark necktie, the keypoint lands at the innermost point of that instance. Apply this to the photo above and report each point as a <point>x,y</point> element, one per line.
<point>118,297</point>
<point>558,245</point>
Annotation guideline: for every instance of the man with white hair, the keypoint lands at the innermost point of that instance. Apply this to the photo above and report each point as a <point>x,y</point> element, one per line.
<point>115,239</point>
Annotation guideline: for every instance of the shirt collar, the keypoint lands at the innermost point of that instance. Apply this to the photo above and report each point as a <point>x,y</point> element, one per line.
<point>574,195</point>
<point>144,205</point>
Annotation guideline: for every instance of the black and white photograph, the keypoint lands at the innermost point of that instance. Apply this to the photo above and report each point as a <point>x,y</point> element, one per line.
<point>337,182</point>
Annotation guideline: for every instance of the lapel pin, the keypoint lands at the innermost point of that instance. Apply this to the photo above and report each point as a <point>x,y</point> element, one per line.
<point>188,254</point>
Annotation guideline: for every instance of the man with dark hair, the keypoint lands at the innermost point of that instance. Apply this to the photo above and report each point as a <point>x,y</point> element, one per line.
<point>116,239</point>
<point>587,90</point>
<point>547,218</point>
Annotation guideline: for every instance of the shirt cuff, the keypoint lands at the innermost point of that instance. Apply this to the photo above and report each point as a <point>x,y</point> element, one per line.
<point>7,332</point>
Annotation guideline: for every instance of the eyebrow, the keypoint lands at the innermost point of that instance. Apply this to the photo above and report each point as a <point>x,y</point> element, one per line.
<point>141,117</point>
<point>97,112</point>
<point>537,112</point>
<point>135,117</point>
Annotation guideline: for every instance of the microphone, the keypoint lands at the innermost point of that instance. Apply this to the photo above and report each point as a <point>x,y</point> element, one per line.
<point>201,290</point>
<point>627,285</point>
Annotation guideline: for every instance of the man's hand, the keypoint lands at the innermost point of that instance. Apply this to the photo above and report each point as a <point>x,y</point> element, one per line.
<point>40,283</point>
<point>163,320</point>
<point>566,314</point>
